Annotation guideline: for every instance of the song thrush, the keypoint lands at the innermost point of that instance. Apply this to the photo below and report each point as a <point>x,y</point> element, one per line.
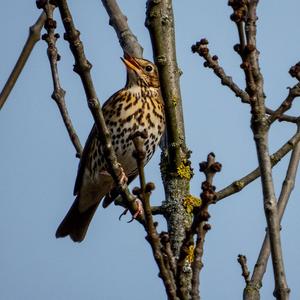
<point>136,107</point>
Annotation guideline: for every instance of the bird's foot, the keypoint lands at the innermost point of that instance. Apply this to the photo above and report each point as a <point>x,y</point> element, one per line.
<point>139,211</point>
<point>122,178</point>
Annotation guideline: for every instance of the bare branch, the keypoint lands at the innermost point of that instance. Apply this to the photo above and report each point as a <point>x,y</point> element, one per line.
<point>287,187</point>
<point>153,238</point>
<point>239,184</point>
<point>283,117</point>
<point>58,94</point>
<point>294,92</point>
<point>82,67</point>
<point>157,210</point>
<point>244,15</point>
<point>212,62</point>
<point>160,23</point>
<point>199,227</point>
<point>197,263</point>
<point>33,38</point>
<point>167,251</point>
<point>118,21</point>
<point>242,260</point>
<point>209,167</point>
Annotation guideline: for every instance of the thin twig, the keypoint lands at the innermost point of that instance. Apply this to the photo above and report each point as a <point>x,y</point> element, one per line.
<point>58,94</point>
<point>239,184</point>
<point>200,227</point>
<point>287,187</point>
<point>197,263</point>
<point>82,67</point>
<point>212,62</point>
<point>209,167</point>
<point>165,241</point>
<point>118,21</point>
<point>242,260</point>
<point>157,210</point>
<point>33,38</point>
<point>294,92</point>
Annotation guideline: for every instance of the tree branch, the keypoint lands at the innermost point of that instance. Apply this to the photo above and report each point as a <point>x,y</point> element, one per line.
<point>33,38</point>
<point>242,260</point>
<point>58,94</point>
<point>294,92</point>
<point>209,167</point>
<point>175,167</point>
<point>118,21</point>
<point>245,15</point>
<point>252,292</point>
<point>153,238</point>
<point>160,23</point>
<point>167,252</point>
<point>157,210</point>
<point>197,263</point>
<point>239,184</point>
<point>199,227</point>
<point>212,62</point>
<point>82,67</point>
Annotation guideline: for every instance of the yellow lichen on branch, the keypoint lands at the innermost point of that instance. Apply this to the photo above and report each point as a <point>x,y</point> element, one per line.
<point>184,170</point>
<point>190,255</point>
<point>190,201</point>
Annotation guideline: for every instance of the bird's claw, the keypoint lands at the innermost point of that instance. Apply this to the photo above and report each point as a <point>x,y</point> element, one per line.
<point>123,214</point>
<point>139,211</point>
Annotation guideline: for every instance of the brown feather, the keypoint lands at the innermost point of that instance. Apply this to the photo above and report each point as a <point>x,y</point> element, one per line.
<point>76,223</point>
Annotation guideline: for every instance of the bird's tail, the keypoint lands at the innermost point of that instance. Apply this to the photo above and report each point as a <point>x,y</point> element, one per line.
<point>76,223</point>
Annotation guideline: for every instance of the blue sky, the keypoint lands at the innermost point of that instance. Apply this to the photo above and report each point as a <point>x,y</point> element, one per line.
<point>38,163</point>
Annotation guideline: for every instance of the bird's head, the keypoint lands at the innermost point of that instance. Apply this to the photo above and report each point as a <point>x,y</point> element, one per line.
<point>140,72</point>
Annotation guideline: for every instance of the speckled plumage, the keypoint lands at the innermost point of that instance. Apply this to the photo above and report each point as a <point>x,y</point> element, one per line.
<point>136,107</point>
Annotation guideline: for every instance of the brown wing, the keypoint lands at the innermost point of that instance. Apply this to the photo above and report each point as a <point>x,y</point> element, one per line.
<point>84,159</point>
<point>93,134</point>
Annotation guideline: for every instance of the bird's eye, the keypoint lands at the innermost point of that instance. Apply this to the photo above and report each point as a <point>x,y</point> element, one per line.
<point>148,68</point>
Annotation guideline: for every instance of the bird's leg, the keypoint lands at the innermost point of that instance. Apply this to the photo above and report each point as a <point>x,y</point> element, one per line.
<point>122,178</point>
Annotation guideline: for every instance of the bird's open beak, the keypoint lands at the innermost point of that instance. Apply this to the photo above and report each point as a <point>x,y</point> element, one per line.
<point>131,63</point>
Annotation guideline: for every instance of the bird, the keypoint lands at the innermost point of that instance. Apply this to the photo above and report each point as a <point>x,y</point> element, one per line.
<point>138,107</point>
